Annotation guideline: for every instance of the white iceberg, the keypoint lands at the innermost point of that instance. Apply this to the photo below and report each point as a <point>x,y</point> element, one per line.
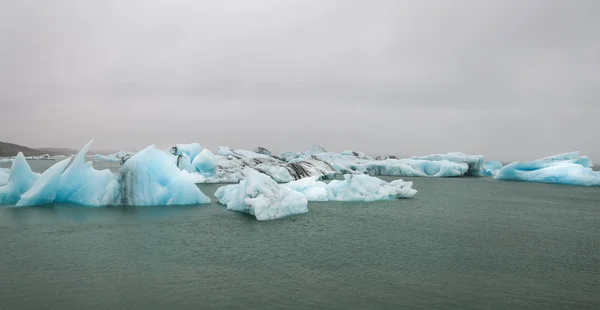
<point>81,184</point>
<point>44,190</point>
<point>262,197</point>
<point>230,165</point>
<point>360,187</point>
<point>21,178</point>
<point>491,167</point>
<point>183,162</point>
<point>312,189</point>
<point>118,157</point>
<point>475,162</point>
<point>567,168</point>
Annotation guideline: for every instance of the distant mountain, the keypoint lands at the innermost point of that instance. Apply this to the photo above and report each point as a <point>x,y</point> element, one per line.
<point>58,150</point>
<point>11,149</point>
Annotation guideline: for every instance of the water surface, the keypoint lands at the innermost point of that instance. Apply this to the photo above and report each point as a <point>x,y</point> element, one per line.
<point>464,243</point>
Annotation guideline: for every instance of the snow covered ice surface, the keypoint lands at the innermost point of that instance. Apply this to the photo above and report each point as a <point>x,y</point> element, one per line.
<point>567,168</point>
<point>261,197</point>
<point>148,178</point>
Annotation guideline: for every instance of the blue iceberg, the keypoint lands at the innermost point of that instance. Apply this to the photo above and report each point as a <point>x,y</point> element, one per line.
<point>567,168</point>
<point>148,178</point>
<point>21,178</point>
<point>261,197</point>
<point>491,167</point>
<point>44,190</point>
<point>81,184</point>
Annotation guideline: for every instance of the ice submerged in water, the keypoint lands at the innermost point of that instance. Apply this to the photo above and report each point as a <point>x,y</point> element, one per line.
<point>261,197</point>
<point>567,168</point>
<point>147,178</point>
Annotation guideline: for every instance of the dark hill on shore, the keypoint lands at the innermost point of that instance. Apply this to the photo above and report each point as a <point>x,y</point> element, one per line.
<point>11,149</point>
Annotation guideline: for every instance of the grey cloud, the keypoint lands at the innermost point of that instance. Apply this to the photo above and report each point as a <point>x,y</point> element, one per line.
<point>510,79</point>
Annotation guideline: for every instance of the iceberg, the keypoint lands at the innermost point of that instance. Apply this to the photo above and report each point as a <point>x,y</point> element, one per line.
<point>567,168</point>
<point>44,190</point>
<point>361,187</point>
<point>150,178</point>
<point>191,150</point>
<point>183,162</point>
<point>312,189</point>
<point>81,184</point>
<point>475,162</point>
<point>262,197</point>
<point>491,167</point>
<point>118,157</point>
<point>205,162</point>
<point>407,168</point>
<point>229,167</point>
<point>21,178</point>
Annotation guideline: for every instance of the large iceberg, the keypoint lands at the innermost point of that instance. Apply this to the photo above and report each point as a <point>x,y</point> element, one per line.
<point>229,166</point>
<point>148,178</point>
<point>262,197</point>
<point>21,178</point>
<point>407,167</point>
<point>567,168</point>
<point>44,190</point>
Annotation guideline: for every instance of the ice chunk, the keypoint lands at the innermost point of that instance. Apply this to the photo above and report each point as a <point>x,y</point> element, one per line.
<point>205,162</point>
<point>360,187</point>
<point>183,162</point>
<point>109,158</point>
<point>151,178</point>
<point>44,190</point>
<point>567,168</point>
<point>475,162</point>
<point>191,150</point>
<point>262,197</point>
<point>312,189</point>
<point>82,184</point>
<point>491,167</point>
<point>21,178</point>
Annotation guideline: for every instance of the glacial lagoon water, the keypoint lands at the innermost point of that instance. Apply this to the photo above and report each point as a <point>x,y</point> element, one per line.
<point>463,243</point>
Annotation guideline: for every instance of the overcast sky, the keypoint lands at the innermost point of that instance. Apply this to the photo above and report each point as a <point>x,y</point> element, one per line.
<point>507,79</point>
